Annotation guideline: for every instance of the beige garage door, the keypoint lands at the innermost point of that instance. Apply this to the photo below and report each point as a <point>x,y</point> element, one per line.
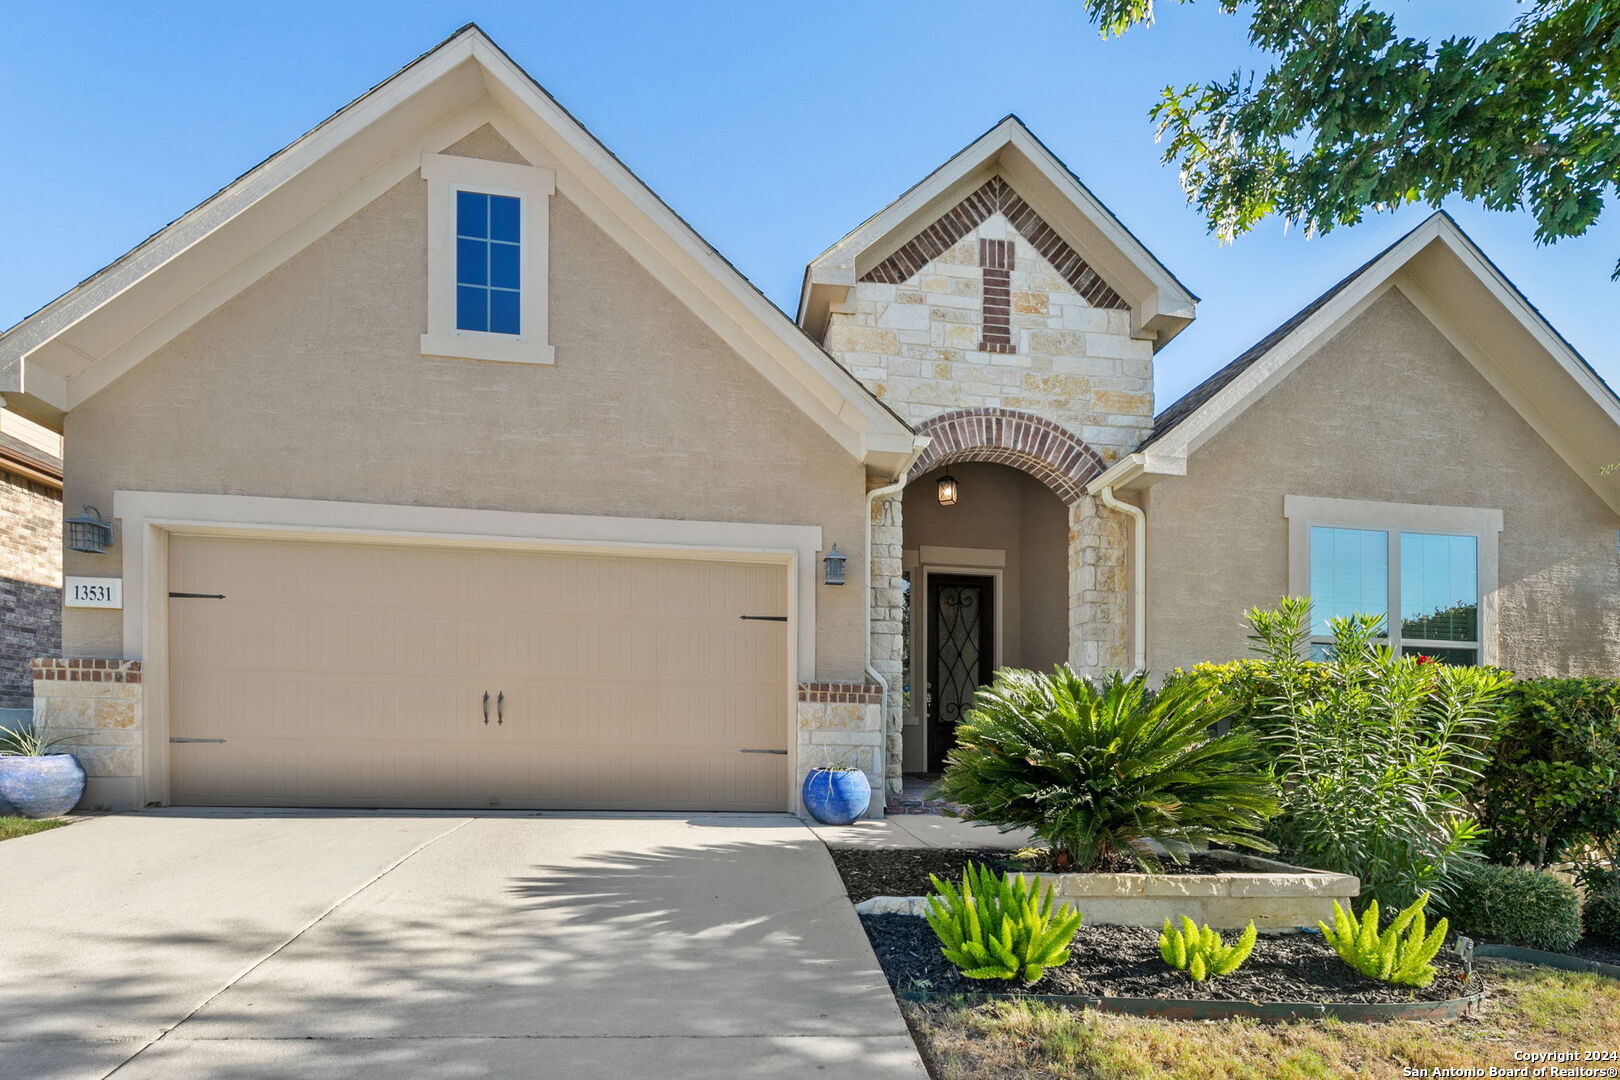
<point>341,674</point>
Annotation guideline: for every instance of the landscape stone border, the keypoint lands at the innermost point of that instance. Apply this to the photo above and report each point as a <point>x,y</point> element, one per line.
<point>1270,1011</point>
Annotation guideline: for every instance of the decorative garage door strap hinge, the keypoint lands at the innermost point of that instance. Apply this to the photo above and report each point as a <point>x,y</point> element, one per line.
<point>196,596</point>
<point>174,739</point>
<point>764,618</point>
<point>752,750</point>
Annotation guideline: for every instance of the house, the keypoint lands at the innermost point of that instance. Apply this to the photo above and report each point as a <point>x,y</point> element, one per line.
<point>30,558</point>
<point>448,466</point>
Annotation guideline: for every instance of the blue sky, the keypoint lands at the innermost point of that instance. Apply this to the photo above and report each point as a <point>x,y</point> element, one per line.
<point>772,127</point>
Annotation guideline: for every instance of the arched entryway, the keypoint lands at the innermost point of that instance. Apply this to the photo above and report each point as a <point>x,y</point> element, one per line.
<point>1018,570</point>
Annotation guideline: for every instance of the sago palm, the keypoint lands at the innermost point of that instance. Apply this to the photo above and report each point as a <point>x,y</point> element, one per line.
<point>1094,769</point>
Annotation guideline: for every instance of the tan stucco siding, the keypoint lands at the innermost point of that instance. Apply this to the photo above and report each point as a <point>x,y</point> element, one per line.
<point>311,384</point>
<point>1387,410</point>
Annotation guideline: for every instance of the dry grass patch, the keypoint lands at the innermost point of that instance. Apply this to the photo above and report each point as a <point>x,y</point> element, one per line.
<point>1529,1008</point>
<point>20,826</point>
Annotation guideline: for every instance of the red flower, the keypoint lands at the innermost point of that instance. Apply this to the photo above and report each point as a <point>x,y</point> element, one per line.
<point>1422,659</point>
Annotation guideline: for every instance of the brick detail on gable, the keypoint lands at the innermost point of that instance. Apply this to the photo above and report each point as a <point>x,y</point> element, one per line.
<point>1052,454</point>
<point>996,195</point>
<point>996,260</point>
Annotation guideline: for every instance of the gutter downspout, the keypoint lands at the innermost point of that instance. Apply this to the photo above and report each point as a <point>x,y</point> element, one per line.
<point>872,673</point>
<point>1138,575</point>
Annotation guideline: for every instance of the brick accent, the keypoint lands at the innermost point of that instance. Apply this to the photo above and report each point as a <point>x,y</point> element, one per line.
<point>967,215</point>
<point>1052,454</point>
<point>841,693</point>
<point>85,669</point>
<point>995,332</point>
<point>30,580</point>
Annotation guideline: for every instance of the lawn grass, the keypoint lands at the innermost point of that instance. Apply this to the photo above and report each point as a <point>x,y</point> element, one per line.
<point>11,827</point>
<point>1528,1008</point>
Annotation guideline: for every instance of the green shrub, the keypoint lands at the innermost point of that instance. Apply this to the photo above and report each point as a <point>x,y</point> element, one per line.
<point>1095,769</point>
<point>1375,753</point>
<point>1000,926</point>
<point>1401,954</point>
<point>1552,787</point>
<point>1518,906</point>
<point>1600,916</point>
<point>1200,952</point>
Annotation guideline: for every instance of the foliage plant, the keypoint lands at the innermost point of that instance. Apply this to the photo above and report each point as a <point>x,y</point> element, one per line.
<point>1000,926</point>
<point>1600,915</point>
<point>1519,906</point>
<point>1551,791</point>
<point>31,740</point>
<point>1352,115</point>
<point>1375,753</point>
<point>1400,954</point>
<point>1200,951</point>
<point>1096,769</point>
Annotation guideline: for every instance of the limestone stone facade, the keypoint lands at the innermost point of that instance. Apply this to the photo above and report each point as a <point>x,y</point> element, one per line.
<point>96,705</point>
<point>974,335</point>
<point>842,724</point>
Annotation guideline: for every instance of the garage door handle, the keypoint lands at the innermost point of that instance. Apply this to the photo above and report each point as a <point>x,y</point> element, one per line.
<point>764,618</point>
<point>500,707</point>
<point>173,739</point>
<point>486,706</point>
<point>756,751</point>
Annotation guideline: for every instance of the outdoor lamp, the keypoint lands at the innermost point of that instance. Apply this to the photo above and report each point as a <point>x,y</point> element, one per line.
<point>89,531</point>
<point>947,490</point>
<point>834,562</point>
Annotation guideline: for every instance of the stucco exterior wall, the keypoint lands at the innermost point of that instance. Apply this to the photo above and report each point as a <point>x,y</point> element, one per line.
<point>1387,410</point>
<point>311,384</point>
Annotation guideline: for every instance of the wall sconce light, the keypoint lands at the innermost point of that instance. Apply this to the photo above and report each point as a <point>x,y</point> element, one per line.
<point>89,531</point>
<point>834,562</point>
<point>947,490</point>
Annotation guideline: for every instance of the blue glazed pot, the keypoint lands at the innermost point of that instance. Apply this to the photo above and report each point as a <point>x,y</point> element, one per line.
<point>836,796</point>
<point>41,787</point>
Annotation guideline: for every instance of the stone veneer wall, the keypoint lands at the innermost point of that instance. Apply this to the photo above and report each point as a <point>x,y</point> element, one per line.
<point>99,703</point>
<point>888,632</point>
<point>30,582</point>
<point>842,723</point>
<point>1099,599</point>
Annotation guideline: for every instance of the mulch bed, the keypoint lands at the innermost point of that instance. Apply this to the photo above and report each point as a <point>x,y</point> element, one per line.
<point>1124,961</point>
<point>1591,948</point>
<point>869,872</point>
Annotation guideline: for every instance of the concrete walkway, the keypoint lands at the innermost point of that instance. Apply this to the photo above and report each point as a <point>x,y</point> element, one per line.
<point>229,945</point>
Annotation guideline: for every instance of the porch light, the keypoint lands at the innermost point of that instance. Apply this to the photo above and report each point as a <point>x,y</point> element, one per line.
<point>834,562</point>
<point>89,531</point>
<point>947,490</point>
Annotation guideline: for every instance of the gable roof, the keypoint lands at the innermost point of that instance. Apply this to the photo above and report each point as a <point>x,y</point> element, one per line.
<point>1075,222</point>
<point>1470,301</point>
<point>75,345</point>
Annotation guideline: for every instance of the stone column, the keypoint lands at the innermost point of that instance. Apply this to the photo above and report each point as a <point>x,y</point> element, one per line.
<point>888,630</point>
<point>1099,614</point>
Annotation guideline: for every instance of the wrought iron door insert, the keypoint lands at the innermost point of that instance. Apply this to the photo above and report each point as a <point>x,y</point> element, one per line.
<point>961,653</point>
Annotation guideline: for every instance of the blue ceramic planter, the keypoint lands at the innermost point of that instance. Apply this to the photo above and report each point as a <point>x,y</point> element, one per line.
<point>41,787</point>
<point>836,796</point>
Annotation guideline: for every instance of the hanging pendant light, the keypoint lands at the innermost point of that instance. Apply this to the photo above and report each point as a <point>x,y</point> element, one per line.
<point>947,490</point>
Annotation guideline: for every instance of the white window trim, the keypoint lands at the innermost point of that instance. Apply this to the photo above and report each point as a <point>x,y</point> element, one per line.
<point>532,186</point>
<point>1484,524</point>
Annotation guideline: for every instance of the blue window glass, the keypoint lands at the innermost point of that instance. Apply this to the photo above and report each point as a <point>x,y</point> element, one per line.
<point>1349,575</point>
<point>488,261</point>
<point>1439,587</point>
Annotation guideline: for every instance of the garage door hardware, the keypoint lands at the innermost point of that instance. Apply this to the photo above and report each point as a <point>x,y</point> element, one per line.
<point>765,618</point>
<point>173,739</point>
<point>486,706</point>
<point>754,751</point>
<point>500,708</point>
<point>196,596</point>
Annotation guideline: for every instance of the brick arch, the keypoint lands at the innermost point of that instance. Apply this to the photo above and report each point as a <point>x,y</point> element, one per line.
<point>1051,454</point>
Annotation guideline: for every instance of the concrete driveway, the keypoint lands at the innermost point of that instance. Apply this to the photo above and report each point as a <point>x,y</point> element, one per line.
<point>226,944</point>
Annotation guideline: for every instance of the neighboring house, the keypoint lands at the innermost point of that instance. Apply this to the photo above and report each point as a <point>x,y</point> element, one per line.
<point>30,558</point>
<point>450,467</point>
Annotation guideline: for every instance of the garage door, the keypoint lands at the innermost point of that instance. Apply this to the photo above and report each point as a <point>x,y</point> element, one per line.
<point>341,674</point>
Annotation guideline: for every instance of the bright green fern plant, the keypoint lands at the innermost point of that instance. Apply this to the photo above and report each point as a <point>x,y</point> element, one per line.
<point>1095,769</point>
<point>1401,954</point>
<point>1200,951</point>
<point>1000,926</point>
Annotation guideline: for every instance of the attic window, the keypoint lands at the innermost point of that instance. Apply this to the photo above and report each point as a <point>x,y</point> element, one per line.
<point>487,244</point>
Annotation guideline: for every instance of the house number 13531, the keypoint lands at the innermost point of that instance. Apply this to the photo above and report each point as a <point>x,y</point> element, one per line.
<point>103,592</point>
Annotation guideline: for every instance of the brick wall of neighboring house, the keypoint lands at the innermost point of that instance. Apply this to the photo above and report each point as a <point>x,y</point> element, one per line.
<point>30,566</point>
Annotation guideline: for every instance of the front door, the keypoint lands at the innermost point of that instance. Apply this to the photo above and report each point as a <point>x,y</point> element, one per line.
<point>961,653</point>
